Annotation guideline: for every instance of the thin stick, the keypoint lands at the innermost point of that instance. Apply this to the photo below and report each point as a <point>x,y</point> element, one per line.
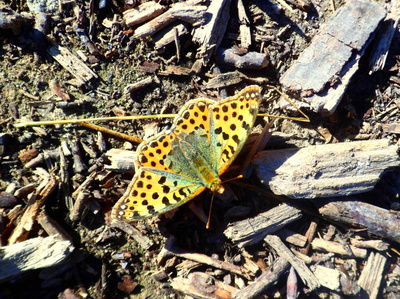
<point>74,121</point>
<point>111,132</point>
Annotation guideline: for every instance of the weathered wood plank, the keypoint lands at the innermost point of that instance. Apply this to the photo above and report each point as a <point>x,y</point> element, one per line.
<point>326,170</point>
<point>324,69</point>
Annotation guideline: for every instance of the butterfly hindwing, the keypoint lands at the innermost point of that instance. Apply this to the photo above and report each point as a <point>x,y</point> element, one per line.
<point>153,192</point>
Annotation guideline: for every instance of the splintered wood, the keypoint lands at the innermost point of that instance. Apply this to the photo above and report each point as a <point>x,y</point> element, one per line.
<point>302,270</point>
<point>32,254</point>
<point>210,35</point>
<point>372,275</point>
<point>72,63</point>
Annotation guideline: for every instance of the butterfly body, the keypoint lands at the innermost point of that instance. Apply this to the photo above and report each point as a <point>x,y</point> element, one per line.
<point>177,164</point>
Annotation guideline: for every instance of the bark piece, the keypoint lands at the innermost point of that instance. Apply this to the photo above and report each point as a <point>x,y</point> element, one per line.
<point>265,280</point>
<point>324,69</point>
<point>251,231</point>
<point>372,275</point>
<point>233,58</point>
<point>144,12</point>
<point>202,285</point>
<point>302,270</point>
<point>32,254</point>
<point>326,170</point>
<point>168,35</point>
<point>34,205</point>
<point>171,249</point>
<point>244,28</point>
<point>378,221</point>
<point>184,11</point>
<point>144,241</point>
<point>121,160</point>
<point>337,248</point>
<point>327,277</point>
<point>210,35</point>
<point>72,64</point>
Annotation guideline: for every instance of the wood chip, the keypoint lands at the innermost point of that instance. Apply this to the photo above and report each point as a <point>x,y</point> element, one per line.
<point>171,249</point>
<point>32,254</point>
<point>326,170</point>
<point>130,88</point>
<point>383,41</point>
<point>72,64</point>
<point>210,35</point>
<point>327,277</point>
<point>202,285</point>
<point>372,275</point>
<point>81,197</point>
<point>337,248</point>
<point>379,245</point>
<point>167,36</point>
<point>52,227</point>
<point>224,80</point>
<point>250,60</point>
<point>253,230</point>
<point>302,270</point>
<point>121,160</point>
<point>35,203</point>
<point>144,12</point>
<point>184,11</point>
<point>378,221</point>
<point>292,237</point>
<point>244,28</point>
<point>324,70</point>
<point>265,280</point>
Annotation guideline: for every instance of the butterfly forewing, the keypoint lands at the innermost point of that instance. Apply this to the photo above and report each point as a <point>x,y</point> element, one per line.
<point>232,120</point>
<point>192,119</point>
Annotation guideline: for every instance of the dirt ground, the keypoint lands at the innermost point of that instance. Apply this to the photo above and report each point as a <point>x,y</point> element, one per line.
<point>106,262</point>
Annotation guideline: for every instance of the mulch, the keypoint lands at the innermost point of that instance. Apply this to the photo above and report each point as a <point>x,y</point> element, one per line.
<point>317,212</point>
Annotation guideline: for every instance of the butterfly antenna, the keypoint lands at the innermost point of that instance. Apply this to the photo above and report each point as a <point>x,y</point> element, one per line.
<point>240,176</point>
<point>209,213</point>
<point>212,199</point>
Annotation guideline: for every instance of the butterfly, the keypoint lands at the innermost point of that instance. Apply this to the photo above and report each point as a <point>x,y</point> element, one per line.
<point>179,163</point>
